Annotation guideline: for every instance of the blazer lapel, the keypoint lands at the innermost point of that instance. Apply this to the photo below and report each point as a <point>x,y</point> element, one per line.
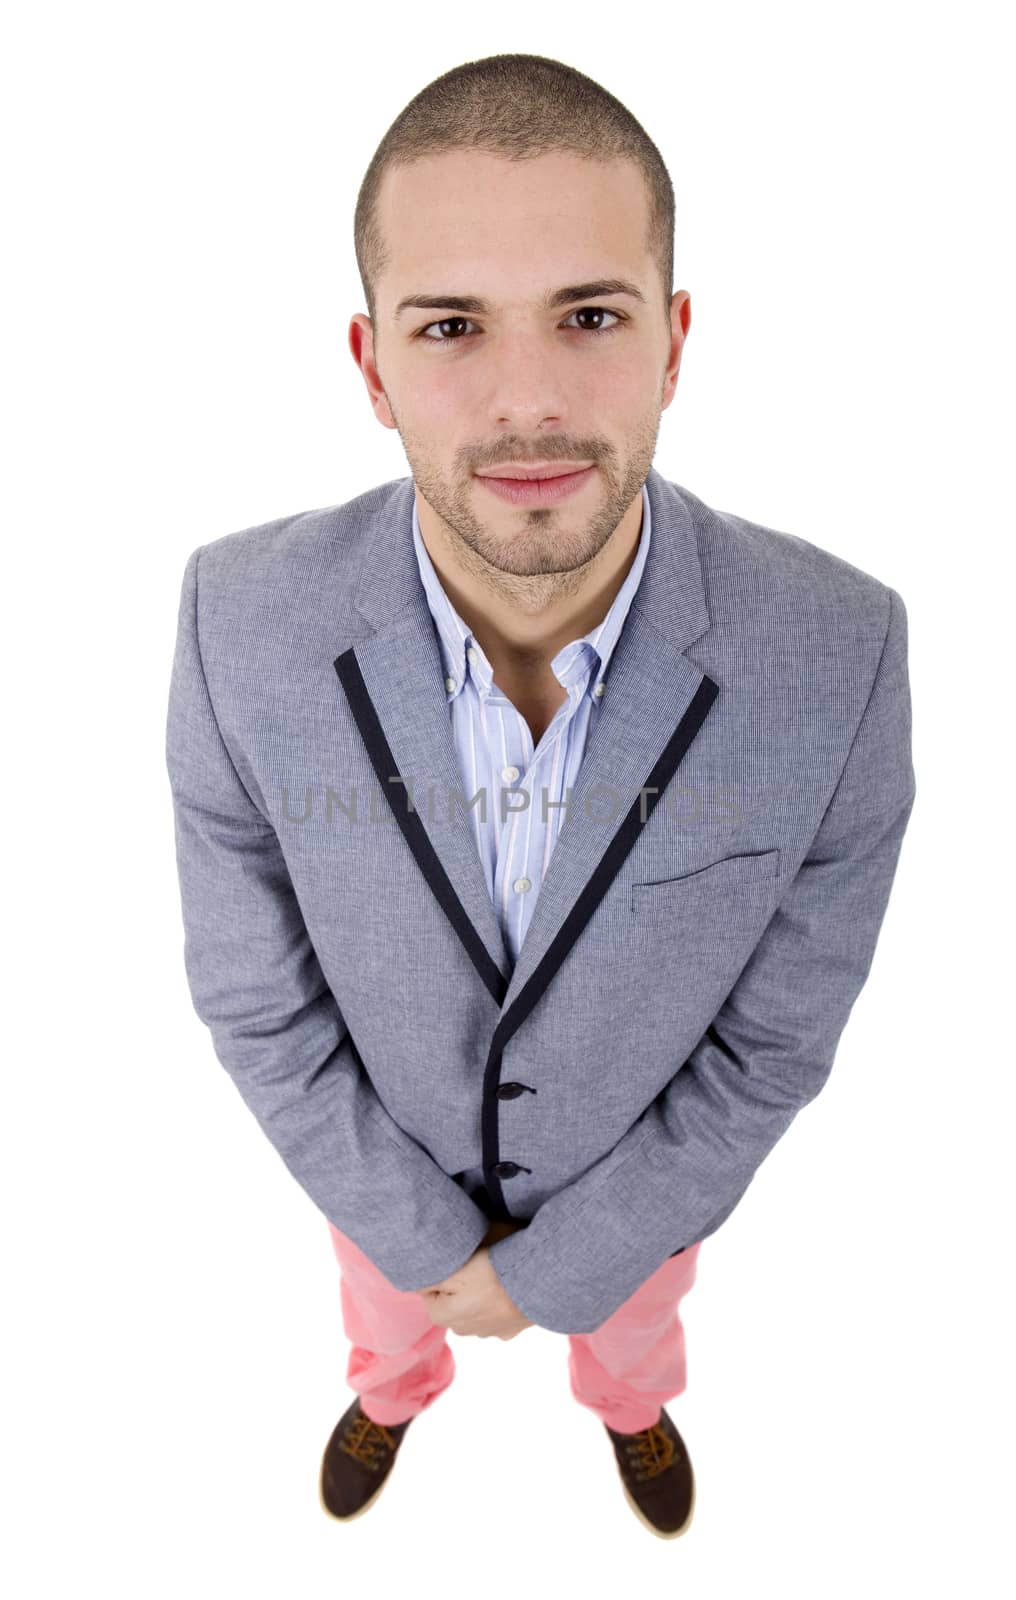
<point>655,701</point>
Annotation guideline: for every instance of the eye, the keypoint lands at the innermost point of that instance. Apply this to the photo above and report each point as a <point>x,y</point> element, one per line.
<point>600,311</point>
<point>448,322</point>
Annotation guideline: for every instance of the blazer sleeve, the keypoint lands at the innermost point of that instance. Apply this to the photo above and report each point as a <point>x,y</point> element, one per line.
<point>681,1169</point>
<point>256,983</point>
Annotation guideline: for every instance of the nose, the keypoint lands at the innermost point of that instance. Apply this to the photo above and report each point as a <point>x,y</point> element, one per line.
<point>527,385</point>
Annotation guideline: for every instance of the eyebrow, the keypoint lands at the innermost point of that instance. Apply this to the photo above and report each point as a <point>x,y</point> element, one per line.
<point>554,298</point>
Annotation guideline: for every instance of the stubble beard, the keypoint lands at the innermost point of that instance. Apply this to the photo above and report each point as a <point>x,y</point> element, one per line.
<point>537,560</point>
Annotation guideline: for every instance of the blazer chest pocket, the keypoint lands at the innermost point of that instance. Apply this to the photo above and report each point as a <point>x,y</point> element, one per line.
<point>734,885</point>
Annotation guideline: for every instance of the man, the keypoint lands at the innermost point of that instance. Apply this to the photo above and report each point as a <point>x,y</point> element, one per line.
<point>535,822</point>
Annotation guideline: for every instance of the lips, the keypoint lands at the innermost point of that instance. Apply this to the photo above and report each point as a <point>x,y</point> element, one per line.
<point>539,490</point>
<point>533,474</point>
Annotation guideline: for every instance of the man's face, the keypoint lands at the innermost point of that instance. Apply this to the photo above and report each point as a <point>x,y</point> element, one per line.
<point>521,382</point>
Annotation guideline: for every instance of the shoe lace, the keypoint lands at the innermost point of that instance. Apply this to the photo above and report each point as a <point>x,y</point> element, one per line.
<point>652,1450</point>
<point>367,1440</point>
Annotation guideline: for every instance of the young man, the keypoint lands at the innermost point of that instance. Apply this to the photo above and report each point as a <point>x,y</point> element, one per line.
<point>535,822</point>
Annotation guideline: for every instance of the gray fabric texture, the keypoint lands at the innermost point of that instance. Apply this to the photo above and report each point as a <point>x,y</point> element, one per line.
<point>699,1007</point>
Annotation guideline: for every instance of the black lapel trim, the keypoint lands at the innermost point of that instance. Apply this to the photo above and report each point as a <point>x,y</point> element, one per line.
<point>572,926</point>
<point>383,762</point>
<point>608,865</point>
<point>397,795</point>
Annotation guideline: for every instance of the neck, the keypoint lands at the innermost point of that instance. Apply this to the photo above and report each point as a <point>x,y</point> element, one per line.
<point>530,623</point>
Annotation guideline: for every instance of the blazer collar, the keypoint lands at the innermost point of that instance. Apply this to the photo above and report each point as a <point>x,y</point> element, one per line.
<point>393,676</point>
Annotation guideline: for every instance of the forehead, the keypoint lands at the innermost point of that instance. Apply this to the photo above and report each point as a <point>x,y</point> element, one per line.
<point>450,219</point>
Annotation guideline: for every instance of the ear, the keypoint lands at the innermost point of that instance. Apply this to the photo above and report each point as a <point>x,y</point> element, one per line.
<point>361,343</point>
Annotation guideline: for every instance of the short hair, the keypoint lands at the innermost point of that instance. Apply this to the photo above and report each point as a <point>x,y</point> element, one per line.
<point>519,107</point>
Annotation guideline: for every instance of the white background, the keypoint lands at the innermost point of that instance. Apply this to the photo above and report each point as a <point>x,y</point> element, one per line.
<point>179,190</point>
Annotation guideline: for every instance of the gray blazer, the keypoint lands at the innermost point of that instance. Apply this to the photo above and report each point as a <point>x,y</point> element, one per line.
<point>707,920</point>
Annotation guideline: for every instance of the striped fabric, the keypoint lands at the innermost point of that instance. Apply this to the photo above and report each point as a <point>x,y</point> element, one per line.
<point>495,745</point>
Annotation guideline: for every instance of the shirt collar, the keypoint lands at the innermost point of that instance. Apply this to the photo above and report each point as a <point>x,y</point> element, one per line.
<point>461,651</point>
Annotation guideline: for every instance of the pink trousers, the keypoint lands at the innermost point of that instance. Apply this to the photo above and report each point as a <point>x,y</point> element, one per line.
<point>624,1371</point>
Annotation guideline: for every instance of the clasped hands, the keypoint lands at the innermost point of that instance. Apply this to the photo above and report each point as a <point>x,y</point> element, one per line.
<point>474,1300</point>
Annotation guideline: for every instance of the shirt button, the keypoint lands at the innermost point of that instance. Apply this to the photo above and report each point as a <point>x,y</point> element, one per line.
<point>506,1169</point>
<point>509,774</point>
<point>471,653</point>
<point>600,687</point>
<point>450,683</point>
<point>522,884</point>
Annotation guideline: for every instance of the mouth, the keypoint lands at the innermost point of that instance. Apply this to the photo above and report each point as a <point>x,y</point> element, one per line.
<point>538,491</point>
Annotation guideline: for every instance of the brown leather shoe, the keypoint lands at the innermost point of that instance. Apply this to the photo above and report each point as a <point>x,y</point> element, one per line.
<point>657,1476</point>
<point>357,1460</point>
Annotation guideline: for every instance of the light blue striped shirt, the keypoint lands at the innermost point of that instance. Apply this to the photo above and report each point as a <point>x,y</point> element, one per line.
<point>495,744</point>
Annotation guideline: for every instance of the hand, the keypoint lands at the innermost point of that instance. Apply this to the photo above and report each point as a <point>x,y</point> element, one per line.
<point>474,1300</point>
